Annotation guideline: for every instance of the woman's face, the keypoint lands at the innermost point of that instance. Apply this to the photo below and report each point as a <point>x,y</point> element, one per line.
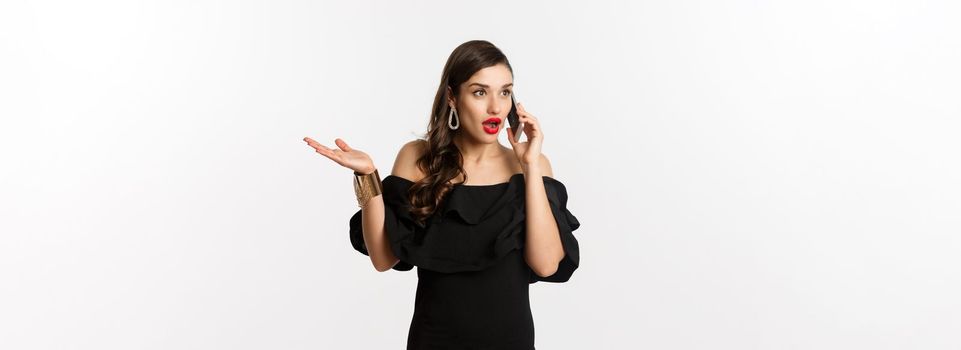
<point>482,99</point>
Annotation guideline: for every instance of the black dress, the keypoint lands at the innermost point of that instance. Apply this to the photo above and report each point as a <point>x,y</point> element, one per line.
<point>472,288</point>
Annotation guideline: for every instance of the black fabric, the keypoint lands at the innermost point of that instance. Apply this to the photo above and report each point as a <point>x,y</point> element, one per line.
<point>472,290</point>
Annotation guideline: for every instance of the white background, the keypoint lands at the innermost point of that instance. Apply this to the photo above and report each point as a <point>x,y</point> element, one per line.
<point>748,174</point>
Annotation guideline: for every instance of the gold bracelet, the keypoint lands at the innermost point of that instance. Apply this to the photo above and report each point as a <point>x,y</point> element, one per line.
<point>366,186</point>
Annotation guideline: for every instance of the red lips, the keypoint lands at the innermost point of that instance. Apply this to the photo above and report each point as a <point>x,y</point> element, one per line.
<point>496,127</point>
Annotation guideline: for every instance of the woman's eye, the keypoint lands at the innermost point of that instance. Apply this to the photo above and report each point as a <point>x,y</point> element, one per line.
<point>507,92</point>
<point>478,91</point>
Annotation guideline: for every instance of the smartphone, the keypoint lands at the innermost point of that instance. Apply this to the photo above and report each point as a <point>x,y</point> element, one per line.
<point>516,126</point>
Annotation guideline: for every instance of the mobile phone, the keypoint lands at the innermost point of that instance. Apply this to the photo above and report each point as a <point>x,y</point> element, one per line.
<point>514,120</point>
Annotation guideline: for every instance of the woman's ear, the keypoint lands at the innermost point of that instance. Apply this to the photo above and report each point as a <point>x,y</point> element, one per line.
<point>450,97</point>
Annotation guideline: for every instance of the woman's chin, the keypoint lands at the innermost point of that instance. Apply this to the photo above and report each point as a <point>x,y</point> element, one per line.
<point>485,138</point>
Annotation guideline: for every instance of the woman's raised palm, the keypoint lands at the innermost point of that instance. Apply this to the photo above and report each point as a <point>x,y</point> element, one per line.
<point>350,158</point>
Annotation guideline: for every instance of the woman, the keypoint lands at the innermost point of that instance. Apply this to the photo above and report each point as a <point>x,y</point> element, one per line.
<point>479,220</point>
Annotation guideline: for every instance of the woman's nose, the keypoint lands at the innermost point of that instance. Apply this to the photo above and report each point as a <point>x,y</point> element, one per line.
<point>493,107</point>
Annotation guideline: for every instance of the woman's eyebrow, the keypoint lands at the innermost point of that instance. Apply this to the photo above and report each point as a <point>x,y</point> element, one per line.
<point>488,86</point>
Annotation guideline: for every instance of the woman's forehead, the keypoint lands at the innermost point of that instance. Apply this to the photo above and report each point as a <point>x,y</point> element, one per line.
<point>496,76</point>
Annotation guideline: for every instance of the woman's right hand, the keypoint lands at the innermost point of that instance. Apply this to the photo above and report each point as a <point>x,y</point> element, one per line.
<point>350,158</point>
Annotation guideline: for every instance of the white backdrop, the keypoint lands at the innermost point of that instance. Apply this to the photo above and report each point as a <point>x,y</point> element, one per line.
<point>748,174</point>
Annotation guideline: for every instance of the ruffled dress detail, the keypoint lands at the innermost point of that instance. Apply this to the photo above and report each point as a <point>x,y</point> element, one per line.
<point>464,235</point>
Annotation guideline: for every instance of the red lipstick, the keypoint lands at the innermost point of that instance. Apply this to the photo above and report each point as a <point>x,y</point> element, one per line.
<point>492,125</point>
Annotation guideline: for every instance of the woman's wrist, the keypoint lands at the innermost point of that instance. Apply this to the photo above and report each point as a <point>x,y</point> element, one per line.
<point>530,167</point>
<point>366,171</point>
<point>367,186</point>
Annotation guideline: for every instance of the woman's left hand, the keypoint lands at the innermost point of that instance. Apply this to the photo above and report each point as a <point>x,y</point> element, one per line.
<point>528,152</point>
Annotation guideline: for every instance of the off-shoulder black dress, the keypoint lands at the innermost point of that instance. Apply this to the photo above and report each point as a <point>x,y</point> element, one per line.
<point>472,289</point>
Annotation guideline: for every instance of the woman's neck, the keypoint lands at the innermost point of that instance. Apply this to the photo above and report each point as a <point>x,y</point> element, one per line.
<point>478,153</point>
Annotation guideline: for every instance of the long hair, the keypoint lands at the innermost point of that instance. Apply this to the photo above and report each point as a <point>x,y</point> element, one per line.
<point>442,160</point>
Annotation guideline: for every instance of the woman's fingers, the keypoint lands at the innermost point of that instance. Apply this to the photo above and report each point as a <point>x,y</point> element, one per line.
<point>329,153</point>
<point>311,142</point>
<point>532,127</point>
<point>316,145</point>
<point>324,150</point>
<point>522,113</point>
<point>530,123</point>
<point>343,145</point>
<point>527,119</point>
<point>319,147</point>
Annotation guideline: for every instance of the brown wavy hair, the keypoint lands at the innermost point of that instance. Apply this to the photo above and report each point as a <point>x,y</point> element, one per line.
<point>442,161</point>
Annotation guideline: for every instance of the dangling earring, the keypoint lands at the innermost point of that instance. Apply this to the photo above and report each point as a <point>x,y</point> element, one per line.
<point>451,117</point>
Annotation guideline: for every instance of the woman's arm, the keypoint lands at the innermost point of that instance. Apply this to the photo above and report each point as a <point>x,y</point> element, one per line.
<point>542,249</point>
<point>372,216</point>
<point>372,220</point>
<point>372,213</point>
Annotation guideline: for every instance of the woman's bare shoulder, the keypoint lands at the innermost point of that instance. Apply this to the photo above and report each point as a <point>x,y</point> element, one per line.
<point>405,166</point>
